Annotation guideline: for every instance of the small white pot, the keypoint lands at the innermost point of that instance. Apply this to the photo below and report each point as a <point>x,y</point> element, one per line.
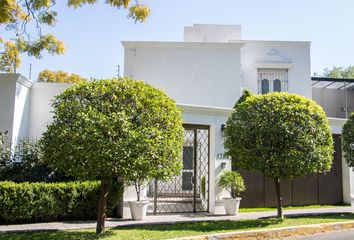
<point>138,209</point>
<point>232,205</point>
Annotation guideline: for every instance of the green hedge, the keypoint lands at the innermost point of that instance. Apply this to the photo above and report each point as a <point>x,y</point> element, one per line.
<point>37,202</point>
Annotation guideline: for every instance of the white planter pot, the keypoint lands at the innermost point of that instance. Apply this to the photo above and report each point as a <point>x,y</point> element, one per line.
<point>232,205</point>
<point>138,209</point>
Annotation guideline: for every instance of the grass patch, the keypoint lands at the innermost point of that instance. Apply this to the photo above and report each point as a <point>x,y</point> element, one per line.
<point>166,231</point>
<point>291,208</point>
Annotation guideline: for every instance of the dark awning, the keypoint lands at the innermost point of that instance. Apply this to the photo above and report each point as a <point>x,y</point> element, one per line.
<point>333,83</point>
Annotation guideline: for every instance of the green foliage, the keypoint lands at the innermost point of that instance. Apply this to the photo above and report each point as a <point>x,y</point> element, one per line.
<point>246,93</point>
<point>9,56</point>
<point>109,128</point>
<point>36,202</point>
<point>203,186</point>
<point>139,12</point>
<point>59,77</point>
<point>10,51</point>
<point>339,72</point>
<point>348,140</point>
<point>232,181</point>
<point>280,135</point>
<point>106,129</point>
<point>5,150</point>
<point>23,163</point>
<point>46,42</point>
<point>18,16</point>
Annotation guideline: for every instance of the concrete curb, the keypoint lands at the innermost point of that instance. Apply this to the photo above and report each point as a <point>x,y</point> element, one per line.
<point>275,233</point>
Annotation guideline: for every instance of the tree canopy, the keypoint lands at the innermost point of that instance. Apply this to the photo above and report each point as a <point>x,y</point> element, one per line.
<point>107,129</point>
<point>348,140</point>
<point>281,135</point>
<point>246,93</point>
<point>17,16</point>
<point>59,77</point>
<point>339,72</point>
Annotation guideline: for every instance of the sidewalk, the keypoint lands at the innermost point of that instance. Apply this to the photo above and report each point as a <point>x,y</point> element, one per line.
<point>165,219</point>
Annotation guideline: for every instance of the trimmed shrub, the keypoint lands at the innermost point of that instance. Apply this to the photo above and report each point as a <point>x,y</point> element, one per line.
<point>232,181</point>
<point>281,135</point>
<point>22,163</point>
<point>119,128</point>
<point>37,202</point>
<point>348,140</point>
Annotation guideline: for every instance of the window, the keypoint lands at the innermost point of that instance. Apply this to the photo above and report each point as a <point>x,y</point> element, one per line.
<point>188,157</point>
<point>187,172</point>
<point>276,85</point>
<point>265,86</point>
<point>272,80</point>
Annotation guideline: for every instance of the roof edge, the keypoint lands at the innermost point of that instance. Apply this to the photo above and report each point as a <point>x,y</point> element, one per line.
<point>299,43</point>
<point>157,44</point>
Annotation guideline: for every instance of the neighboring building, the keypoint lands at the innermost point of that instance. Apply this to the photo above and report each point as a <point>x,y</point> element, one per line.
<point>335,95</point>
<point>206,75</point>
<point>25,106</point>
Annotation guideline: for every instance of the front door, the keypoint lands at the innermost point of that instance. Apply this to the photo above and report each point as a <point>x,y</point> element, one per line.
<point>189,191</point>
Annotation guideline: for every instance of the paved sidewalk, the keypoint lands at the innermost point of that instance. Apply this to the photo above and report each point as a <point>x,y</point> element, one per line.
<point>165,219</point>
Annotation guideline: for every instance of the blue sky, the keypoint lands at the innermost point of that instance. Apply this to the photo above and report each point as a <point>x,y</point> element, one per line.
<point>93,33</point>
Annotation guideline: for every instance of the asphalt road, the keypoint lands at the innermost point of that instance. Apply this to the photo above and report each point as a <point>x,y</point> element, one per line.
<point>338,235</point>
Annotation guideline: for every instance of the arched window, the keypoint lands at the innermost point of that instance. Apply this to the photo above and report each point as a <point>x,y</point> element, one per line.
<point>272,80</point>
<point>265,86</point>
<point>276,85</point>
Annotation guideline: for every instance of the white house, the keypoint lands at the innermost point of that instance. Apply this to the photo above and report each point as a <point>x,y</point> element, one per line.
<point>205,74</point>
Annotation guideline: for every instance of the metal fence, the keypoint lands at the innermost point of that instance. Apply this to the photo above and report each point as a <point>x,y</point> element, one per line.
<point>189,191</point>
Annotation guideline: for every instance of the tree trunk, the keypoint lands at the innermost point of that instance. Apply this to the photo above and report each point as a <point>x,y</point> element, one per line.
<point>102,206</point>
<point>279,198</point>
<point>120,200</point>
<point>233,168</point>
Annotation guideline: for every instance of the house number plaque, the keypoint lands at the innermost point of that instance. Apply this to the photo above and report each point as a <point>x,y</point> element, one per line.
<point>222,156</point>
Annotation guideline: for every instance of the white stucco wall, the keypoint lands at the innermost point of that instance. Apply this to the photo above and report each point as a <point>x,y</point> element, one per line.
<point>212,74</point>
<point>7,101</point>
<point>212,33</point>
<point>14,105</point>
<point>294,56</point>
<point>40,110</point>
<point>205,74</point>
<point>21,109</point>
<point>213,117</point>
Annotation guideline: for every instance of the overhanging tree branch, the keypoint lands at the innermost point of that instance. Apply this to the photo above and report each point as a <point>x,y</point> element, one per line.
<point>16,17</point>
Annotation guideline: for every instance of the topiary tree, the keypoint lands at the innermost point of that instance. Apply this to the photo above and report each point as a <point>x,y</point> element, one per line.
<point>109,128</point>
<point>232,181</point>
<point>281,135</point>
<point>246,93</point>
<point>348,140</point>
